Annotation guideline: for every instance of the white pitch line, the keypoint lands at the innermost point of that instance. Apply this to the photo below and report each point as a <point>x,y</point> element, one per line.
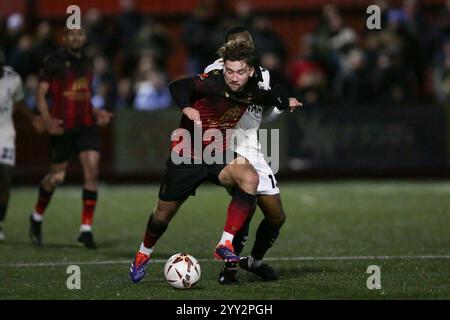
<point>113,262</point>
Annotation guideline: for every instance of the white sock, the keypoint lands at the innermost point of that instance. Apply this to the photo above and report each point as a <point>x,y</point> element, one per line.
<point>253,263</point>
<point>85,228</point>
<point>226,237</point>
<point>37,217</point>
<point>145,250</point>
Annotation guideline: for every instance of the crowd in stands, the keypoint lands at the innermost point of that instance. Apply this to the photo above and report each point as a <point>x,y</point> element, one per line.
<point>406,62</point>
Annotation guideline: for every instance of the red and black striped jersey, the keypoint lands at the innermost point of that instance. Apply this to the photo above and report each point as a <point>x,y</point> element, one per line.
<point>70,79</point>
<point>218,106</point>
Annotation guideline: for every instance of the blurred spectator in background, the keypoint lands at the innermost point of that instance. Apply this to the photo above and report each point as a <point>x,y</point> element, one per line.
<point>129,22</point>
<point>395,83</point>
<point>152,39</point>
<point>14,30</point>
<point>152,93</point>
<point>44,42</point>
<point>307,76</point>
<point>270,49</point>
<point>417,39</point>
<point>441,59</point>
<point>100,36</point>
<point>125,94</point>
<point>243,13</point>
<point>334,41</point>
<point>198,32</point>
<point>335,63</point>
<point>441,75</point>
<point>22,57</point>
<point>354,84</point>
<point>103,84</point>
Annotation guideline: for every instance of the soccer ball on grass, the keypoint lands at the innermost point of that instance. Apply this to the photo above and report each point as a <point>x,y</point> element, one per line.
<point>182,271</point>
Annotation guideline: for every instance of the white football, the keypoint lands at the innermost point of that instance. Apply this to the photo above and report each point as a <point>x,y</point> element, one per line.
<point>182,271</point>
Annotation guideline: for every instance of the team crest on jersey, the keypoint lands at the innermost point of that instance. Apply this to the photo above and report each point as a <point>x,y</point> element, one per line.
<point>203,76</point>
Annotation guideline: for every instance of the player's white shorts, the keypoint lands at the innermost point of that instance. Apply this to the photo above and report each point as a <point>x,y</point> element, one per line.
<point>7,154</point>
<point>267,182</point>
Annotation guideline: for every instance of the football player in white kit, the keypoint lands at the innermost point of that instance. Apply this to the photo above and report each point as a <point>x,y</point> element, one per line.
<point>11,99</point>
<point>269,200</point>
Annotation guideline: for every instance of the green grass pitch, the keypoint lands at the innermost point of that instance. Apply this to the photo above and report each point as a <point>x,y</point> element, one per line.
<point>333,232</point>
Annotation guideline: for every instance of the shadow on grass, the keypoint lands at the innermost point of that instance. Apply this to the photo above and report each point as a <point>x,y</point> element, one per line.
<point>287,273</point>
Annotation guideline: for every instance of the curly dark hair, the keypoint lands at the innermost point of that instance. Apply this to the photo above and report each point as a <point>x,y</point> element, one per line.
<point>237,50</point>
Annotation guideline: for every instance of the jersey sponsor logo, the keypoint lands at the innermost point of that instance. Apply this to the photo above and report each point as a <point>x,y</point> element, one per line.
<point>79,90</point>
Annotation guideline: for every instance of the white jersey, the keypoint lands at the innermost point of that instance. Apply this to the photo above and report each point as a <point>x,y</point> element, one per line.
<point>245,136</point>
<point>11,91</point>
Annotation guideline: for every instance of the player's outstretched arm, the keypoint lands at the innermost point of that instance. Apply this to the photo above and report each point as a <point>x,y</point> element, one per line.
<point>279,97</point>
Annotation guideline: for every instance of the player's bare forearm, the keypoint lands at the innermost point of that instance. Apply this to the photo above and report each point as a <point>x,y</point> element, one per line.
<point>53,126</point>
<point>41,100</point>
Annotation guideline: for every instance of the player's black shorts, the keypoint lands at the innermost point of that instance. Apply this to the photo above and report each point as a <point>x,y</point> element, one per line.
<point>73,141</point>
<point>181,180</point>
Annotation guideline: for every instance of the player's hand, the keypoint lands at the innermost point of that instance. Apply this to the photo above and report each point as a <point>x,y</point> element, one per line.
<point>53,126</point>
<point>38,124</point>
<point>192,114</point>
<point>294,104</point>
<point>103,117</point>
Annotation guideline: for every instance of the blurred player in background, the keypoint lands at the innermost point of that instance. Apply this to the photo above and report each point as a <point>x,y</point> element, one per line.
<point>268,193</point>
<point>213,101</point>
<point>71,122</point>
<point>11,100</point>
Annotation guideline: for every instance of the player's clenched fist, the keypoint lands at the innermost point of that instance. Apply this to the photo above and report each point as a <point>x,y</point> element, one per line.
<point>53,126</point>
<point>103,117</point>
<point>294,104</point>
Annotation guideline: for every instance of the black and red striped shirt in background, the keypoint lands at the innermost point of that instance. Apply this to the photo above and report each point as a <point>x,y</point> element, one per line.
<point>70,80</point>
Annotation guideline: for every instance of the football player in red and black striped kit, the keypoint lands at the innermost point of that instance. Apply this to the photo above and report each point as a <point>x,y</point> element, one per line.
<point>72,124</point>
<point>213,101</point>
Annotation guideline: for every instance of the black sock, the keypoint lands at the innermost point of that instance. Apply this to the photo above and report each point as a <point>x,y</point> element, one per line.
<point>265,237</point>
<point>241,236</point>
<point>3,208</point>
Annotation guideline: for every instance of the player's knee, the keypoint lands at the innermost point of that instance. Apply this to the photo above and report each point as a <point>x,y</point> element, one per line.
<point>163,214</point>
<point>277,220</point>
<point>57,178</point>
